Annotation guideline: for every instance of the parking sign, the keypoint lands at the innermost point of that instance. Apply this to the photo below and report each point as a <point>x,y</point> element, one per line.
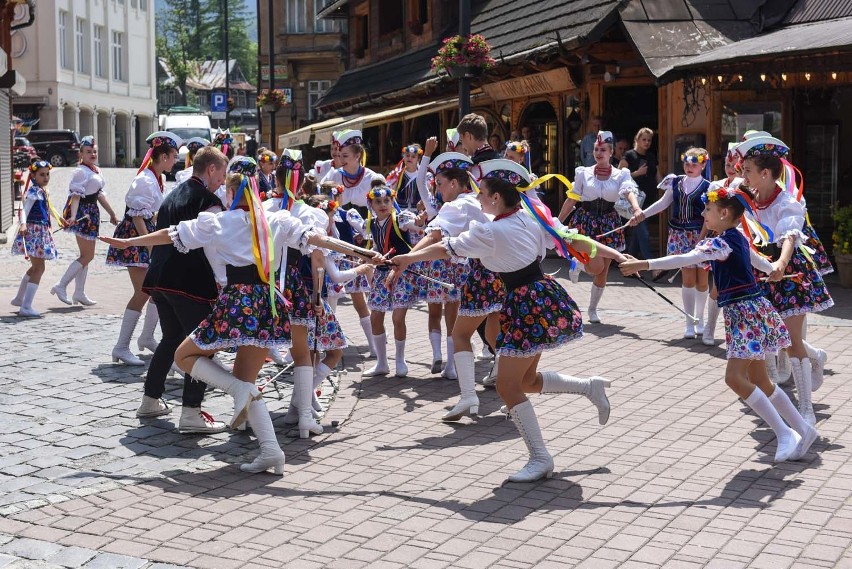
<point>218,102</point>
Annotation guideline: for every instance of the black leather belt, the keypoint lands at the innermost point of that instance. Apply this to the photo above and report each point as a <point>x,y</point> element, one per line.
<point>599,206</point>
<point>93,198</point>
<point>521,277</point>
<point>293,256</point>
<point>245,275</point>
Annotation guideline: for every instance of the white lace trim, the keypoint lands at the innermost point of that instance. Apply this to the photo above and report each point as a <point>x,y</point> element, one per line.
<point>480,311</point>
<point>143,213</point>
<point>807,309</point>
<point>538,349</point>
<point>174,235</point>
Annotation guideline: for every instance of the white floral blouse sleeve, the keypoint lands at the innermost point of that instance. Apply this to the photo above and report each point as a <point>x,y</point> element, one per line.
<point>195,233</point>
<point>144,197</point>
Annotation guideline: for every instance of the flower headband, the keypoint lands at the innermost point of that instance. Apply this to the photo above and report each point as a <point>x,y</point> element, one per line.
<point>453,163</point>
<point>516,147</point>
<point>243,165</point>
<point>381,192</point>
<point>334,190</point>
<point>700,159</point>
<point>767,148</point>
<point>267,158</point>
<point>163,140</point>
<point>38,164</point>
<point>412,149</point>
<point>507,176</point>
<point>713,196</point>
<point>328,206</point>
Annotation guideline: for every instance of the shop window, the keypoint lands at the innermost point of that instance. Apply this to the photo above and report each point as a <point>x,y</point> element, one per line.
<point>737,118</point>
<point>361,35</point>
<point>316,89</point>
<point>390,17</point>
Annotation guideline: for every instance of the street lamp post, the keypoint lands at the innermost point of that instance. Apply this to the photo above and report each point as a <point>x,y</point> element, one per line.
<point>464,80</point>
<point>270,39</point>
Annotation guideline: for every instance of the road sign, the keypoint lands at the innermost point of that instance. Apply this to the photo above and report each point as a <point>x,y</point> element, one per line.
<point>218,115</point>
<point>218,102</point>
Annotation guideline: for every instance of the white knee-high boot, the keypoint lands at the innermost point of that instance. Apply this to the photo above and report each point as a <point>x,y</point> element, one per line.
<point>332,302</point>
<point>450,369</point>
<point>771,362</point>
<point>818,359</point>
<point>146,337</point>
<point>380,344</point>
<point>787,438</point>
<point>435,341</point>
<point>27,304</point>
<point>469,402</point>
<point>802,376</point>
<point>303,381</point>
<point>540,464</point>
<point>22,289</point>
<point>594,388</point>
<point>321,372</point>
<point>367,327</point>
<point>708,336</point>
<point>698,311</point>
<point>79,295</point>
<point>790,414</point>
<point>594,299</point>
<point>59,288</point>
<point>271,455</point>
<point>243,392</point>
<point>121,351</point>
<point>687,296</point>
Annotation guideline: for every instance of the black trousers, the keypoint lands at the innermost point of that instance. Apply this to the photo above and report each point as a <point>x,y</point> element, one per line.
<point>179,316</point>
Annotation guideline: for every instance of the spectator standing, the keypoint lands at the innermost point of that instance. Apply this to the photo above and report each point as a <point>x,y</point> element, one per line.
<point>587,145</point>
<point>642,164</point>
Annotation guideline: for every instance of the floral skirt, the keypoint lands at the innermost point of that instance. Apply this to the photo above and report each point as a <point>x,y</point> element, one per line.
<point>89,227</point>
<point>329,335</point>
<point>536,317</point>
<point>403,295</point>
<point>791,297</point>
<point>359,283</point>
<point>483,291</point>
<point>820,257</point>
<point>296,292</point>
<point>753,329</point>
<point>242,316</point>
<point>446,271</point>
<point>132,256</point>
<point>591,225</point>
<point>38,242</point>
<point>682,241</point>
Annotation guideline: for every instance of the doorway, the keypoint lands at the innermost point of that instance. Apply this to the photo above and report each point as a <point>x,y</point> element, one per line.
<point>538,126</point>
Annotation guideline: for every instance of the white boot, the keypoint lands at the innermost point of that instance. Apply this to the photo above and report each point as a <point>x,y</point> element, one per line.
<point>59,288</point>
<point>540,464</point>
<point>787,438</point>
<point>574,273</point>
<point>785,370</point>
<point>121,351</point>
<point>708,336</point>
<point>435,340</point>
<point>469,402</point>
<point>151,407</point>
<point>243,392</point>
<point>146,337</point>
<point>802,375</point>
<point>22,289</point>
<point>818,359</point>
<point>772,367</point>
<point>321,372</point>
<point>193,420</point>
<point>790,414</point>
<point>401,364</point>
<point>450,369</point>
<point>276,357</point>
<point>79,295</point>
<point>687,296</point>
<point>303,381</point>
<point>27,305</point>
<point>594,298</point>
<point>593,388</point>
<point>367,327</point>
<point>380,344</point>
<point>332,303</point>
<point>271,455</point>
<point>700,300</point>
<point>491,379</point>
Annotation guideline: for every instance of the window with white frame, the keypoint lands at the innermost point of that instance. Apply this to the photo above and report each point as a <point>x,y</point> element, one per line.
<point>98,34</point>
<point>169,97</point>
<point>82,42</point>
<point>63,40</point>
<point>297,16</point>
<point>240,100</point>
<point>323,26</point>
<point>144,5</point>
<point>316,89</point>
<point>118,56</point>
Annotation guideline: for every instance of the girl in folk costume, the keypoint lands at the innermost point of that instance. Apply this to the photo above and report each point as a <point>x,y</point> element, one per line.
<point>405,181</point>
<point>223,141</point>
<point>323,167</point>
<point>83,219</point>
<point>193,145</point>
<point>597,188</point>
<point>34,239</point>
<point>780,219</point>
<point>537,314</point>
<point>519,152</point>
<point>287,178</point>
<point>266,161</point>
<point>683,194</point>
<point>389,233</point>
<point>143,199</point>
<point>243,246</point>
<point>348,226</point>
<point>355,178</point>
<point>753,328</point>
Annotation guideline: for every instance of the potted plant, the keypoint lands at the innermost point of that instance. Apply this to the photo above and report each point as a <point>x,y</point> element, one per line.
<point>463,56</point>
<point>271,100</point>
<point>842,238</point>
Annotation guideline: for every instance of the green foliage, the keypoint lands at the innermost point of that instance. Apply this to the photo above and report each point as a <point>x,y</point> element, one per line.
<point>842,235</point>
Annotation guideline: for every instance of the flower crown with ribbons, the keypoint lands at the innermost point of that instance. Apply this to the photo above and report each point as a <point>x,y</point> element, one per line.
<point>517,147</point>
<point>38,164</point>
<point>412,149</point>
<point>713,196</point>
<point>699,159</point>
<point>267,157</point>
<point>156,140</point>
<point>243,165</point>
<point>381,192</point>
<point>328,206</point>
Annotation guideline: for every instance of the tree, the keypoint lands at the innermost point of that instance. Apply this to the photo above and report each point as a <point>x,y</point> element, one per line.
<point>176,44</point>
<point>241,48</point>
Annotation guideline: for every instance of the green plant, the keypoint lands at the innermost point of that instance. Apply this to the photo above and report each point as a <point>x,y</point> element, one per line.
<point>275,97</point>
<point>842,234</point>
<point>459,51</point>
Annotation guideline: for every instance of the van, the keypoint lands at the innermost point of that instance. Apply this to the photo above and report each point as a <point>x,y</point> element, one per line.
<point>60,147</point>
<point>185,122</point>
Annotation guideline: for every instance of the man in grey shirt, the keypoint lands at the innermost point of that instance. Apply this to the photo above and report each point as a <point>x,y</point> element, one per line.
<point>587,145</point>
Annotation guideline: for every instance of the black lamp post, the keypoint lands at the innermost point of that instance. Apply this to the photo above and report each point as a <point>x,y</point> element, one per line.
<point>464,80</point>
<point>270,39</point>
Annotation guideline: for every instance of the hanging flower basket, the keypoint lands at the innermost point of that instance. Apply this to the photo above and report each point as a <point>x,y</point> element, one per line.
<point>462,56</point>
<point>271,100</point>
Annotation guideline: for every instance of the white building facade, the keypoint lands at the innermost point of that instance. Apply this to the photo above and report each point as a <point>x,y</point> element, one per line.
<point>89,67</point>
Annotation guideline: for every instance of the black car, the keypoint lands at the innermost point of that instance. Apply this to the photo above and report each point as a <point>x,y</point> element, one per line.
<point>59,147</point>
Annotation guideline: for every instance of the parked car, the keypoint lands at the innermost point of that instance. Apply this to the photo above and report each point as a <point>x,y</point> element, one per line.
<point>23,146</point>
<point>59,147</point>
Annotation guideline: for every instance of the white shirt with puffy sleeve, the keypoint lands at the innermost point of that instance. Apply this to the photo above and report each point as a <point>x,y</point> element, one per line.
<point>357,194</point>
<point>85,182</point>
<point>456,216</point>
<point>144,197</point>
<point>618,185</point>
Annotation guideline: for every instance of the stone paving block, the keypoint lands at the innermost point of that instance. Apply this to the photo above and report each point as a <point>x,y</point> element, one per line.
<point>30,548</point>
<point>72,556</point>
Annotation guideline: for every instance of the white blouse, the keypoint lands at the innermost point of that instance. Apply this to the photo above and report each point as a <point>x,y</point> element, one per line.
<point>784,216</point>
<point>85,182</point>
<point>618,185</point>
<point>508,244</point>
<point>688,186</point>
<point>144,197</point>
<point>321,168</point>
<point>226,238</point>
<point>456,216</point>
<point>183,175</point>
<point>357,194</point>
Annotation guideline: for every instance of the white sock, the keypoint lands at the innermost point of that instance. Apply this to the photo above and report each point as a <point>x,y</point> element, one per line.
<point>30,293</point>
<point>367,327</point>
<point>435,340</point>
<point>22,289</point>
<point>687,295</point>
<point>400,351</point>
<point>700,301</point>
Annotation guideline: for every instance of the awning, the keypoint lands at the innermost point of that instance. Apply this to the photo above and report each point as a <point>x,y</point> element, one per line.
<point>302,136</point>
<point>323,136</point>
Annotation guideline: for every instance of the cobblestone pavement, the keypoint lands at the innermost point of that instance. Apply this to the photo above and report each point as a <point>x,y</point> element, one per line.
<point>681,476</point>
